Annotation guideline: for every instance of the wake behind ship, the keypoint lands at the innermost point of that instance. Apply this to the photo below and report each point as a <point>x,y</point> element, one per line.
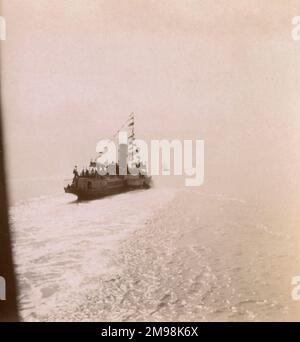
<point>102,179</point>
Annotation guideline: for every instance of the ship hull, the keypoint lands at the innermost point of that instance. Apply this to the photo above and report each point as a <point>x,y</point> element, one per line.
<point>87,196</point>
<point>88,188</point>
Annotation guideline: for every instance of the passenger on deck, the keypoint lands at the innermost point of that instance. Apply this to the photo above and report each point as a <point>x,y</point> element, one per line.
<point>75,172</point>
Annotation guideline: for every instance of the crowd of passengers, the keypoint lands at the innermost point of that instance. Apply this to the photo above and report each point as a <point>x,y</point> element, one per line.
<point>112,169</point>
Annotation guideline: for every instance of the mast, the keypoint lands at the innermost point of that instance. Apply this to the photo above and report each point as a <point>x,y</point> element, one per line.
<point>131,148</point>
<point>131,136</point>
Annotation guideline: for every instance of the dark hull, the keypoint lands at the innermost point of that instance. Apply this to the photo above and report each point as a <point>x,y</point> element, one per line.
<point>96,191</point>
<point>91,195</point>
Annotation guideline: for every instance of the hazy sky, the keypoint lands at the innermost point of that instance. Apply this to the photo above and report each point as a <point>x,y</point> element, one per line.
<point>73,70</point>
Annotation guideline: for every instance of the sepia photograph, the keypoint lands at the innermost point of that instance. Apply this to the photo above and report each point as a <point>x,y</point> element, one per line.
<point>150,162</point>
